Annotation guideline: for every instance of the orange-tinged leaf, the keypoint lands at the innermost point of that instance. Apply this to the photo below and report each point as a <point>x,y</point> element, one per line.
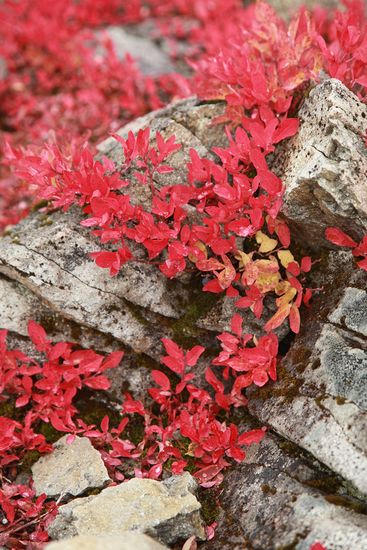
<point>201,247</point>
<point>287,297</point>
<point>278,318</point>
<point>243,259</point>
<point>227,275</point>
<point>294,319</point>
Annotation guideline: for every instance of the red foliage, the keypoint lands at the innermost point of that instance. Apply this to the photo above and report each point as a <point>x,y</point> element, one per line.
<point>339,238</point>
<point>61,90</point>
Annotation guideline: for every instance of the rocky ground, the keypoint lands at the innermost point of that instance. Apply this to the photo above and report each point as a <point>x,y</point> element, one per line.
<point>307,480</point>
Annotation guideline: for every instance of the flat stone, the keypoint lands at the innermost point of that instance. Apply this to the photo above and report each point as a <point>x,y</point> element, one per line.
<point>167,510</point>
<point>324,167</point>
<point>124,541</point>
<point>71,469</point>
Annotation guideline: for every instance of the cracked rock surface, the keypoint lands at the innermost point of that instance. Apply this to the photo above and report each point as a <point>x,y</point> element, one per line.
<point>324,167</point>
<point>168,511</point>
<point>319,401</point>
<point>282,498</point>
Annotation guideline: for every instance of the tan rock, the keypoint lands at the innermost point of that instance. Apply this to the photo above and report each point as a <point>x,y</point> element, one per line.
<point>168,511</point>
<point>70,469</point>
<point>125,541</point>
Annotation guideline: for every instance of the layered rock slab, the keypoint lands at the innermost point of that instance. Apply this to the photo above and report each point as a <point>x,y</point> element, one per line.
<point>324,167</point>
<point>167,510</point>
<point>319,401</point>
<point>71,469</point>
<point>281,498</point>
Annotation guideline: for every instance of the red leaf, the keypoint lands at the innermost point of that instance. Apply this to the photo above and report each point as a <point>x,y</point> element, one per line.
<point>253,436</point>
<point>294,319</point>
<point>172,348</point>
<point>213,381</point>
<point>193,355</point>
<point>306,264</point>
<point>338,237</point>
<point>98,383</point>
<point>363,264</point>
<point>287,128</point>
<point>161,380</point>
<point>236,322</point>
<point>113,360</point>
<point>38,335</point>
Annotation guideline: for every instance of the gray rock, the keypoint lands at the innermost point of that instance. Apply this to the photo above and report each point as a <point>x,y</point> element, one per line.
<point>282,498</point>
<point>324,167</point>
<point>168,511</point>
<point>71,469</point>
<point>352,311</point>
<point>124,541</point>
<point>151,59</point>
<point>319,401</point>
<point>286,8</point>
<point>3,69</point>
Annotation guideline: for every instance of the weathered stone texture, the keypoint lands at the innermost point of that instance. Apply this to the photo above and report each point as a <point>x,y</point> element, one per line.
<point>168,511</point>
<point>71,469</point>
<point>125,541</point>
<point>279,498</point>
<point>324,167</point>
<point>319,401</point>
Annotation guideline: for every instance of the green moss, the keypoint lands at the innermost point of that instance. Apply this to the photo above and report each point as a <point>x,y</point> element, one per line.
<point>51,435</point>
<point>287,386</point>
<point>29,458</point>
<point>45,220</point>
<point>186,333</point>
<point>134,431</point>
<point>210,509</point>
<point>268,489</point>
<point>38,205</point>
<point>137,312</point>
<point>93,410</point>
<point>7,408</point>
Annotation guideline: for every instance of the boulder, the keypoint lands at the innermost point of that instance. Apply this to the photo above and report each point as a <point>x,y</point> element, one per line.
<point>286,8</point>
<point>70,470</point>
<point>324,167</point>
<point>125,541</point>
<point>168,511</point>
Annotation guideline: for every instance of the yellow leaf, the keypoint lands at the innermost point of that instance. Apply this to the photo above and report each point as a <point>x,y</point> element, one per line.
<point>285,257</point>
<point>201,246</point>
<point>266,243</point>
<point>267,282</point>
<point>243,259</point>
<point>282,287</point>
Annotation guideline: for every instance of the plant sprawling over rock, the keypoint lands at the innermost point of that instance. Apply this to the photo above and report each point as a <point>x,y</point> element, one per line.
<point>63,84</point>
